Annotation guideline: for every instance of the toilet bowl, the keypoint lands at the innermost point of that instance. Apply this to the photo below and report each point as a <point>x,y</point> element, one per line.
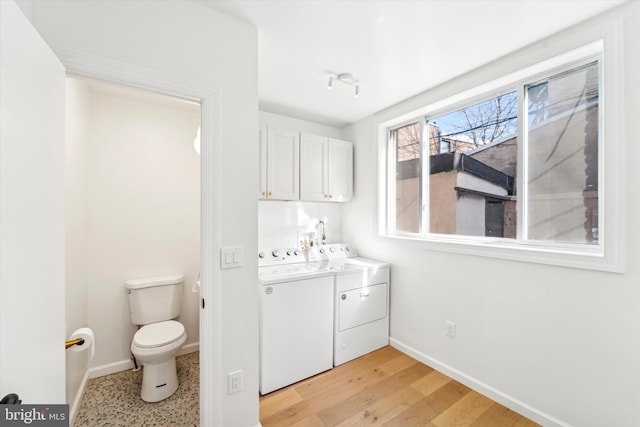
<point>155,346</point>
<point>153,303</point>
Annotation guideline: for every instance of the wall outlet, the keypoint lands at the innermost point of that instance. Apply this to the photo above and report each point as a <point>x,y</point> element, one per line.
<point>451,328</point>
<point>234,381</point>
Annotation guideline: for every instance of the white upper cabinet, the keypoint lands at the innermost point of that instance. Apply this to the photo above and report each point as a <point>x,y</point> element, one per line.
<point>326,169</point>
<point>279,164</point>
<point>314,153</point>
<point>340,167</point>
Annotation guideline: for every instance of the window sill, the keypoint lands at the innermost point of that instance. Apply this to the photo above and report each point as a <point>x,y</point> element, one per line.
<point>557,255</point>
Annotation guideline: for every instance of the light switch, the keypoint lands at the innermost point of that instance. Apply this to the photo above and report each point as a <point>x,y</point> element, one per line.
<point>231,257</point>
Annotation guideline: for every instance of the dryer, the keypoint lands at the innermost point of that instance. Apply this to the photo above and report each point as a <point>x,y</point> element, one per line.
<point>361,300</point>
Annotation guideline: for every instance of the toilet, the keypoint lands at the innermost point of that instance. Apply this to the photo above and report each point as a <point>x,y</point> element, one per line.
<point>153,303</point>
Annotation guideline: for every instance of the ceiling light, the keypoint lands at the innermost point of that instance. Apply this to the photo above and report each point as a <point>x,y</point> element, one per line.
<point>347,79</point>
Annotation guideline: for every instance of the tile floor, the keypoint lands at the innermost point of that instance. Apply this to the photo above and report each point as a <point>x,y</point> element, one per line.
<point>114,400</point>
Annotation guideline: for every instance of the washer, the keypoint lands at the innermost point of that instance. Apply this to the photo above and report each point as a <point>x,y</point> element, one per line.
<point>361,300</point>
<point>296,318</point>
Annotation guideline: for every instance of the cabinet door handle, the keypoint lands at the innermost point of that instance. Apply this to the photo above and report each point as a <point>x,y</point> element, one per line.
<point>330,196</point>
<point>270,193</point>
<point>264,193</point>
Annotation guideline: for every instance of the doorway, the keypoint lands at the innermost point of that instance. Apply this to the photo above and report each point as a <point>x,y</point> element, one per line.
<point>132,210</point>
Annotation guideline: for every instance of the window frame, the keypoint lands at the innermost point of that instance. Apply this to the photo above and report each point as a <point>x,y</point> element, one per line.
<point>606,255</point>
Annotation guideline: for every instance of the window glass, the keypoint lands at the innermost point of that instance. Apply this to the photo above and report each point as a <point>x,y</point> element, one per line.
<point>456,174</point>
<point>473,163</point>
<point>562,157</point>
<point>407,180</point>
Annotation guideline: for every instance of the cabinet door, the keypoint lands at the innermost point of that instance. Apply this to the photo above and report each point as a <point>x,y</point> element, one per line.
<point>313,168</point>
<point>340,170</point>
<point>283,164</point>
<point>262,165</point>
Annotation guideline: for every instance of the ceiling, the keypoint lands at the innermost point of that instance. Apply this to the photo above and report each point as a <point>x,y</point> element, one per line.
<point>395,49</point>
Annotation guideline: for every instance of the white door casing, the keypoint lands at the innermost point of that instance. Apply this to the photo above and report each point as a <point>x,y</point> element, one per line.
<point>80,64</point>
<point>32,361</point>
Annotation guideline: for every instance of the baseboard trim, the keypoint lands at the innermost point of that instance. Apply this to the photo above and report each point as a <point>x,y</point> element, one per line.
<point>73,410</point>
<point>110,368</point>
<point>123,365</point>
<point>189,348</point>
<point>510,402</point>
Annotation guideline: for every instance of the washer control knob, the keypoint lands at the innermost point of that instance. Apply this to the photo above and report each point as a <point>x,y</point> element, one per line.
<point>296,252</point>
<point>289,252</point>
<point>348,249</point>
<point>321,251</point>
<point>332,249</point>
<point>275,253</point>
<point>260,254</point>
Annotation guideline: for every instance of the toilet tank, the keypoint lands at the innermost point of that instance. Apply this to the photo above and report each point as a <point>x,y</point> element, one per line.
<point>155,299</point>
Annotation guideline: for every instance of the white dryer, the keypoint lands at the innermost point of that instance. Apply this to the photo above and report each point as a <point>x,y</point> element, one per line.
<point>361,300</point>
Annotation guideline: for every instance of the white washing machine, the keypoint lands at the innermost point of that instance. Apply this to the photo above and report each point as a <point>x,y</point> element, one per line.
<point>296,318</point>
<point>361,300</point>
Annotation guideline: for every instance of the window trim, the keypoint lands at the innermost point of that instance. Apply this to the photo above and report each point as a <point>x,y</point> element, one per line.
<point>607,255</point>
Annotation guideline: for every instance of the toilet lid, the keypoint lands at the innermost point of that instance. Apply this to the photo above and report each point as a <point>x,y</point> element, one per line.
<point>158,334</point>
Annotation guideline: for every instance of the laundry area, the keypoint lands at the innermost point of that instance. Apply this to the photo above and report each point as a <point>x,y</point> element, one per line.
<point>320,213</point>
<point>307,277</point>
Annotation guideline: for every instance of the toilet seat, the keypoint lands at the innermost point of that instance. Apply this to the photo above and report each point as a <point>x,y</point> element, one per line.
<point>158,334</point>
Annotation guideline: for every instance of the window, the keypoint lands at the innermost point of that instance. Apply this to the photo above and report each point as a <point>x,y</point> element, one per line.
<point>472,168</point>
<point>408,167</point>
<point>519,168</point>
<point>562,157</point>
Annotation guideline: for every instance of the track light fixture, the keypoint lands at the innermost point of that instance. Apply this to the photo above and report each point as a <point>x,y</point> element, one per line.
<point>347,79</point>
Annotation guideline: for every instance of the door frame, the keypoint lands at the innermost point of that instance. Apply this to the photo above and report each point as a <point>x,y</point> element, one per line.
<point>79,64</point>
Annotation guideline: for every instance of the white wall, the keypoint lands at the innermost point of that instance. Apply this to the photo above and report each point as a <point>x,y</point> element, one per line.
<point>143,212</point>
<point>284,224</point>
<point>77,109</point>
<point>561,343</point>
<point>189,41</point>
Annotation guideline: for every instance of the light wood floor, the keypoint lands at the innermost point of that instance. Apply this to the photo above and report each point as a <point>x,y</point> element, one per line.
<point>386,388</point>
